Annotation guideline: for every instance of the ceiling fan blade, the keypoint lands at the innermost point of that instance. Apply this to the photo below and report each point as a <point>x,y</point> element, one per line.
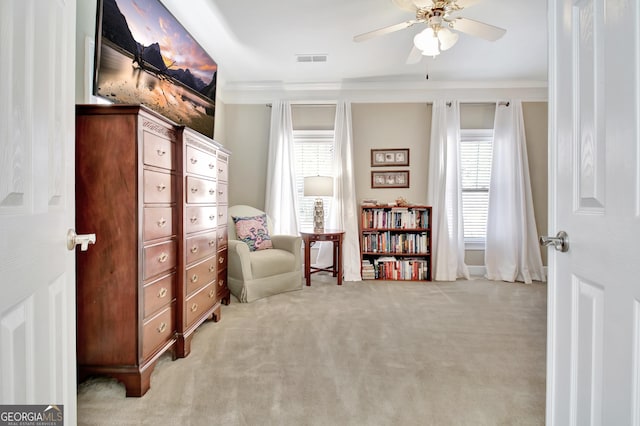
<point>422,4</point>
<point>385,30</point>
<point>478,29</point>
<point>466,3</point>
<point>405,4</point>
<point>415,56</point>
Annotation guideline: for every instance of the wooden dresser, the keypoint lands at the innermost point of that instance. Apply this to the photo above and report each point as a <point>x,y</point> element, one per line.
<point>204,250</point>
<point>153,274</point>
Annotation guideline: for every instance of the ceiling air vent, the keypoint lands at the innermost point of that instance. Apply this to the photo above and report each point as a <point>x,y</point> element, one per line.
<point>311,58</point>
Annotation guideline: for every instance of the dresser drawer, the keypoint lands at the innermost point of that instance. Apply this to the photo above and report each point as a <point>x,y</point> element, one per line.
<point>223,167</point>
<point>200,162</point>
<point>200,246</point>
<point>222,284</point>
<point>158,151</point>
<point>200,218</point>
<point>158,293</point>
<point>200,302</point>
<point>222,193</point>
<point>157,331</point>
<point>201,191</point>
<point>158,187</point>
<point>222,259</point>
<point>222,214</point>
<point>157,222</point>
<point>223,237</point>
<point>159,258</point>
<point>201,274</point>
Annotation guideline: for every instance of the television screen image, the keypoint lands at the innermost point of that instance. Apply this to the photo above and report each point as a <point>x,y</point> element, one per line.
<point>144,56</point>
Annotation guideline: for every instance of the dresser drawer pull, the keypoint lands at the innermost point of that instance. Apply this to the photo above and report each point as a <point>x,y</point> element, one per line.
<point>194,219</point>
<point>211,165</point>
<point>194,249</point>
<point>163,257</point>
<point>161,187</point>
<point>212,191</point>
<point>161,152</point>
<point>220,192</point>
<point>212,243</point>
<point>194,189</point>
<point>194,160</point>
<point>162,222</point>
<point>220,170</point>
<point>212,267</point>
<point>212,217</point>
<point>194,307</point>
<point>220,283</point>
<point>221,260</point>
<point>221,238</point>
<point>194,278</point>
<point>162,327</point>
<point>162,293</point>
<point>212,293</point>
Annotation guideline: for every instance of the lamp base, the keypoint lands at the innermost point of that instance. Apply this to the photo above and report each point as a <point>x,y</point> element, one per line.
<point>318,215</point>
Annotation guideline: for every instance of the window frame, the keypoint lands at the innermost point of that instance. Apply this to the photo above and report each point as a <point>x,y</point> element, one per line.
<point>312,136</point>
<point>468,135</point>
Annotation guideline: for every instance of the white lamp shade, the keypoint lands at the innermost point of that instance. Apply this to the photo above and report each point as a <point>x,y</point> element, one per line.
<point>318,186</point>
<point>447,38</point>
<point>427,42</point>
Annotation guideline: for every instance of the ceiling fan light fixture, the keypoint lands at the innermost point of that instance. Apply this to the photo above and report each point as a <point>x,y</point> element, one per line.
<point>447,38</point>
<point>427,42</point>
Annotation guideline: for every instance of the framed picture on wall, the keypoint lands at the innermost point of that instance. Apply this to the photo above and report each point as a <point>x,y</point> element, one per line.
<point>389,157</point>
<point>390,179</point>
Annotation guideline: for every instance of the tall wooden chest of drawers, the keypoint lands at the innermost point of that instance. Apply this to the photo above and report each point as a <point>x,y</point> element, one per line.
<point>204,251</point>
<point>126,282</point>
<point>153,274</point>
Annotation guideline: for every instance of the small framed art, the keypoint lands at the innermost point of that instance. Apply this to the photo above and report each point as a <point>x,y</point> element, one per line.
<point>390,179</point>
<point>389,157</point>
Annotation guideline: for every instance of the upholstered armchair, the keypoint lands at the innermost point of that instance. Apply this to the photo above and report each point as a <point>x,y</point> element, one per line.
<point>255,272</point>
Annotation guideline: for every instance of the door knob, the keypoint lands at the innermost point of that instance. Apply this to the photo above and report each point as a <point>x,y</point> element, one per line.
<point>83,240</point>
<point>560,242</point>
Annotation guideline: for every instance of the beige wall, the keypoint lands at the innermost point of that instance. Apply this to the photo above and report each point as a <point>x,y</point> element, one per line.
<point>382,125</point>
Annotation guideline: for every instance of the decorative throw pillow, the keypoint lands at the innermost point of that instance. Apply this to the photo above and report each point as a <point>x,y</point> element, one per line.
<point>253,231</point>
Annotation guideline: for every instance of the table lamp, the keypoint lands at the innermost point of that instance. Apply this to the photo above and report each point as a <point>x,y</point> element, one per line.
<point>318,186</point>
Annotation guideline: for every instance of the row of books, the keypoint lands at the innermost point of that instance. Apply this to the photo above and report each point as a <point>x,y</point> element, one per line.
<point>398,218</point>
<point>385,242</point>
<point>390,268</point>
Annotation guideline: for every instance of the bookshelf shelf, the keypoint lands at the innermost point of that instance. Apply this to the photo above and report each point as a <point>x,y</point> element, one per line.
<point>395,242</point>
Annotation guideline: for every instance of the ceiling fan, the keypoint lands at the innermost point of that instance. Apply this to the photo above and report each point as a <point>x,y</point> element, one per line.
<point>440,18</point>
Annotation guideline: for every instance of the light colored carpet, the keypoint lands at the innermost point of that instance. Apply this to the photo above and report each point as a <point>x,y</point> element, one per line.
<point>366,353</point>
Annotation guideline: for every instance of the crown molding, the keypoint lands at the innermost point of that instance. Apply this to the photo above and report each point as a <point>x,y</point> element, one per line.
<point>382,91</point>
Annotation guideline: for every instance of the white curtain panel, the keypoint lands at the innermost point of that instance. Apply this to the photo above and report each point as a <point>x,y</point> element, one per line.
<point>445,194</point>
<point>344,211</point>
<point>280,200</point>
<point>512,252</point>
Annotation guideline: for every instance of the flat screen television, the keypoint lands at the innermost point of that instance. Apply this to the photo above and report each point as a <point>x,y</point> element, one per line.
<point>143,55</point>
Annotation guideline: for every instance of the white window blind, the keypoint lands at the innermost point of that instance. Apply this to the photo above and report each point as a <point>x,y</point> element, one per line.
<point>313,157</point>
<point>476,147</point>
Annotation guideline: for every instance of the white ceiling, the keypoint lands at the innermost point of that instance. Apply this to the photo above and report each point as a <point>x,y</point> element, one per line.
<point>255,42</point>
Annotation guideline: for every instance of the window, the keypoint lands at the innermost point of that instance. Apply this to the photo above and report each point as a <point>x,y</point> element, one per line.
<point>313,157</point>
<point>476,148</point>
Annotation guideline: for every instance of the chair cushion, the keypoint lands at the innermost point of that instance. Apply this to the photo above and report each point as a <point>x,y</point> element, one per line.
<point>266,263</point>
<point>253,231</point>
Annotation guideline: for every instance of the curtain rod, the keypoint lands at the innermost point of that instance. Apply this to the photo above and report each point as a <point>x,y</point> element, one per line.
<point>501,103</point>
<point>308,105</point>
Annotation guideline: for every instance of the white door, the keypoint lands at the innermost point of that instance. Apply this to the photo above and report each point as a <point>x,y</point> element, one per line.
<point>37,272</point>
<point>594,288</point>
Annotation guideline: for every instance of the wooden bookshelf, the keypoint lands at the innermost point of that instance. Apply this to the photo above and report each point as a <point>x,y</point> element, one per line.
<point>395,242</point>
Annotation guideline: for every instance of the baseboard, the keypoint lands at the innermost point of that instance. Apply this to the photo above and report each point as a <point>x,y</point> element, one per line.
<point>479,271</point>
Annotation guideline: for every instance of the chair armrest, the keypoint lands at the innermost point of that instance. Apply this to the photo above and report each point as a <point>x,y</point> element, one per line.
<point>290,243</point>
<point>239,264</point>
